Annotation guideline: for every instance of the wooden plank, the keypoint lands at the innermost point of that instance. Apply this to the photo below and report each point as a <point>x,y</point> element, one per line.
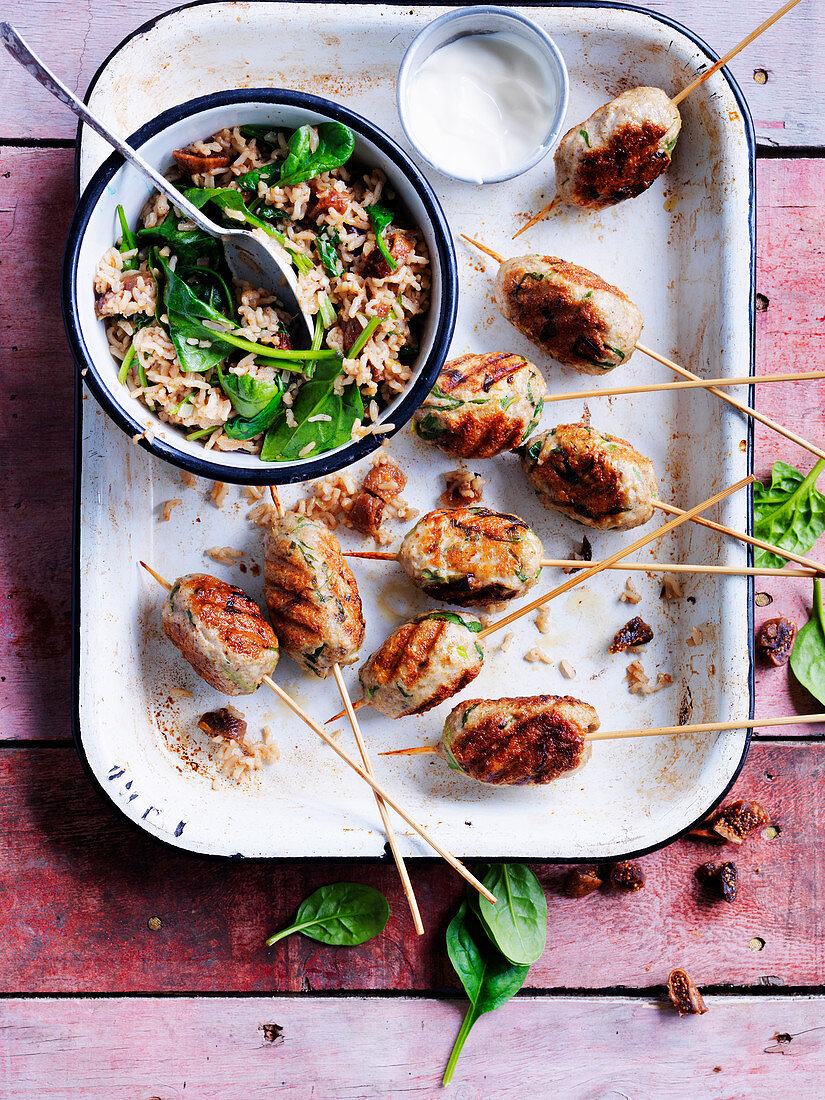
<point>75,38</point>
<point>338,1049</point>
<point>790,336</point>
<point>36,446</point>
<point>79,888</point>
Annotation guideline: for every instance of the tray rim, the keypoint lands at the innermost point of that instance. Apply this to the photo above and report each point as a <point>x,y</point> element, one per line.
<point>77,732</point>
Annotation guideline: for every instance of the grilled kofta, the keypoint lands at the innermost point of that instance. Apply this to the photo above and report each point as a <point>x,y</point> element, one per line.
<point>311,594</point>
<point>595,479</point>
<point>220,632</point>
<point>571,313</point>
<point>471,556</point>
<point>516,742</point>
<point>619,151</point>
<point>422,663</point>
<point>482,405</point>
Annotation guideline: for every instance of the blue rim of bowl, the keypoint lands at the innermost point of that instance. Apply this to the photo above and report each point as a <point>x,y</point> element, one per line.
<point>476,11</point>
<point>135,827</point>
<point>287,472</point>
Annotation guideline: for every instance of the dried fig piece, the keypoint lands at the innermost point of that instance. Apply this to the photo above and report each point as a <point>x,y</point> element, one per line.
<point>776,640</point>
<point>634,633</point>
<point>227,723</point>
<point>200,162</point>
<point>627,876</point>
<point>581,881</point>
<point>720,879</point>
<point>686,998</point>
<point>732,823</point>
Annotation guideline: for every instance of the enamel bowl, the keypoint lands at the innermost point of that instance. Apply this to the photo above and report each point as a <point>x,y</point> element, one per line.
<point>94,228</point>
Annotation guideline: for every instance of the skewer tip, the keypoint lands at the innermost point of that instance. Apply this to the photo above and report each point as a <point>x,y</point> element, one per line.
<point>496,256</point>
<point>161,580</point>
<point>422,750</point>
<point>536,218</point>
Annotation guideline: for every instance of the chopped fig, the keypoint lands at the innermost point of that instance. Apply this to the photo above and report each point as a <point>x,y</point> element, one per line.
<point>627,876</point>
<point>385,481</point>
<point>367,513</point>
<point>200,162</point>
<point>634,633</point>
<point>581,881</point>
<point>686,998</point>
<point>775,641</point>
<point>732,823</point>
<point>226,722</point>
<point>720,879</point>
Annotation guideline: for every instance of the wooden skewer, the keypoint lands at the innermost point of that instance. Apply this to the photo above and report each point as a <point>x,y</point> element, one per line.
<point>409,893</point>
<point>766,420</point>
<point>634,566</point>
<point>700,383</point>
<point>677,99</point>
<point>711,387</point>
<point>296,709</point>
<point>725,58</point>
<point>637,545</point>
<point>780,551</point>
<point>656,731</point>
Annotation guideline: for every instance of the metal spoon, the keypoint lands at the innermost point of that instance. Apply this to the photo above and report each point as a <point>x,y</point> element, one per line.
<point>249,260</point>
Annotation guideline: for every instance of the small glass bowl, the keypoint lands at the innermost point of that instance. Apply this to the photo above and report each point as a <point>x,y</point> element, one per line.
<point>483,19</point>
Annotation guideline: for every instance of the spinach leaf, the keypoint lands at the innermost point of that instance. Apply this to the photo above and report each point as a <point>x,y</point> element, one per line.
<point>790,512</point>
<point>247,427</point>
<point>381,218</point>
<point>808,656</point>
<point>488,978</point>
<point>343,913</point>
<point>262,133</point>
<point>428,428</point>
<point>127,242</point>
<point>283,443</point>
<point>517,923</point>
<point>335,145</point>
<point>248,395</point>
<point>188,244</point>
<point>472,625</point>
<point>186,313</point>
<point>327,243</point>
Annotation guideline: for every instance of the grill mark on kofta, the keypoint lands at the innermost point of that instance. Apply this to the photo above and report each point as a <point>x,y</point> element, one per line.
<point>624,167</point>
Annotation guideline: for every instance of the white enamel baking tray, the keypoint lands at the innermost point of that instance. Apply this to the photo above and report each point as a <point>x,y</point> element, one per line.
<point>683,251</point>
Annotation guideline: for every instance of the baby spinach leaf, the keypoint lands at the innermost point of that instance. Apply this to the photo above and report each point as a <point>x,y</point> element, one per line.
<point>248,427</point>
<point>248,395</point>
<point>186,313</point>
<point>517,923</point>
<point>262,133</point>
<point>225,198</point>
<point>790,512</point>
<point>808,656</point>
<point>335,145</point>
<point>188,244</point>
<point>327,243</point>
<point>316,397</point>
<point>488,978</point>
<point>343,913</point>
<point>381,217</point>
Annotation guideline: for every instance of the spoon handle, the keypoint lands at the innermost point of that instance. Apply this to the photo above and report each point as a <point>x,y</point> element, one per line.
<point>21,52</point>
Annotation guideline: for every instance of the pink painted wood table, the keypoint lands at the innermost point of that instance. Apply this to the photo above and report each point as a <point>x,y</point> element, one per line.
<point>130,971</point>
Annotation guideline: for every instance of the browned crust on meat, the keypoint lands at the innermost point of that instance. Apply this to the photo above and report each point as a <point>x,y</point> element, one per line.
<point>200,162</point>
<point>623,168</point>
<point>227,610</point>
<point>537,747</point>
<point>545,308</point>
<point>406,657</point>
<point>486,431</point>
<point>292,598</point>
<point>579,474</point>
<point>481,372</point>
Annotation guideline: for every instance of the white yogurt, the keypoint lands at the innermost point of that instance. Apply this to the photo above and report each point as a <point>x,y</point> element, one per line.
<point>480,106</point>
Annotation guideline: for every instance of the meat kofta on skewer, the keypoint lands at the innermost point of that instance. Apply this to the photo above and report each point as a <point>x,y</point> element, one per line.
<point>220,632</point>
<point>625,145</point>
<point>596,479</point>
<point>482,405</point>
<point>471,556</point>
<point>528,741</point>
<point>311,594</point>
